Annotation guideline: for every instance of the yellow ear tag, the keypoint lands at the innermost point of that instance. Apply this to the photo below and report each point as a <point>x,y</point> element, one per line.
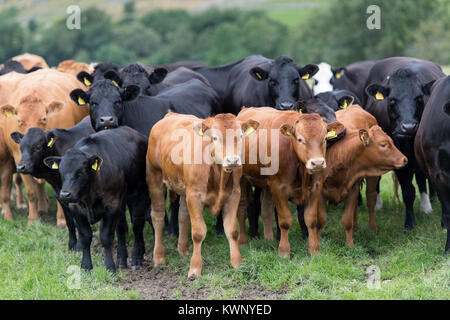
<point>95,165</point>
<point>345,105</point>
<point>331,134</point>
<point>8,114</point>
<point>300,111</point>
<point>87,82</point>
<point>55,165</point>
<point>249,131</point>
<point>115,83</point>
<point>379,96</point>
<point>305,77</point>
<point>50,143</point>
<point>338,75</point>
<point>81,102</point>
<point>200,132</point>
<point>258,75</point>
<point>362,138</point>
<point>288,133</point>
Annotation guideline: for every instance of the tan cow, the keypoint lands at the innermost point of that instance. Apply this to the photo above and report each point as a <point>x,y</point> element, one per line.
<point>365,151</point>
<point>40,99</point>
<point>301,158</point>
<point>179,164</point>
<point>29,61</point>
<point>73,67</point>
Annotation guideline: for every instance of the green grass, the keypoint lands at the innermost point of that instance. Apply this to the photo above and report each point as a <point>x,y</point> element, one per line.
<point>34,261</point>
<point>291,17</point>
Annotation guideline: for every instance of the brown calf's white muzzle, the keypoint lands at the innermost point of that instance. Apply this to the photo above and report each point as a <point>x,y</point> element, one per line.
<point>231,162</point>
<point>316,164</point>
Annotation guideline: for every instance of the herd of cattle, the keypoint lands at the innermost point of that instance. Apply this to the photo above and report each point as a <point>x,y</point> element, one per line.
<point>102,136</point>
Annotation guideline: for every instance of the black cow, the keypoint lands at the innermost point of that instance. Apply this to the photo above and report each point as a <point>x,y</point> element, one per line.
<point>397,91</point>
<point>15,66</point>
<point>257,81</point>
<point>353,78</point>
<point>338,99</point>
<point>99,73</point>
<point>432,147</point>
<point>103,173</point>
<point>36,145</point>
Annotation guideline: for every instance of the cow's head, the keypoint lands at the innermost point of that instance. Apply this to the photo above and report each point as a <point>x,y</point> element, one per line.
<point>338,99</point>
<point>226,134</point>
<point>309,136</point>
<point>339,78</point>
<point>32,111</point>
<point>35,146</point>
<point>99,73</point>
<point>404,95</point>
<point>135,74</point>
<point>283,78</point>
<point>315,105</point>
<point>322,79</point>
<point>380,154</point>
<point>77,170</point>
<point>105,101</point>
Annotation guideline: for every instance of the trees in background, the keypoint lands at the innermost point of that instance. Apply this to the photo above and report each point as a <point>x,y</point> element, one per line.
<point>336,32</point>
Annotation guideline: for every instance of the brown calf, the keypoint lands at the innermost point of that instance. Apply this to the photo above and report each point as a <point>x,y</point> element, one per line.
<point>29,60</point>
<point>299,178</point>
<point>214,184</point>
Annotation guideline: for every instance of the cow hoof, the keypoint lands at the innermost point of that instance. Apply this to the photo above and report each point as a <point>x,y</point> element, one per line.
<point>284,254</point>
<point>123,266</point>
<point>32,221</point>
<point>425,204</point>
<point>159,261</point>
<point>61,224</point>
<point>194,274</point>
<point>409,226</point>
<point>183,253</point>
<point>136,267</point>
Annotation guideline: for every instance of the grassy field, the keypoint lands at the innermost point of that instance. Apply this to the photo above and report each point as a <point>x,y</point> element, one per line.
<point>34,261</point>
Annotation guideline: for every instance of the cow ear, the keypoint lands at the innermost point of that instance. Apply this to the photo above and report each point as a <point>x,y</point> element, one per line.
<point>308,71</point>
<point>364,137</point>
<point>335,129</point>
<point>114,77</point>
<point>426,88</point>
<point>50,139</point>
<point>249,127</point>
<point>80,97</point>
<point>338,72</point>
<point>287,130</point>
<point>53,107</point>
<point>258,73</point>
<point>85,78</point>
<point>201,128</point>
<point>52,162</point>
<point>95,162</point>
<point>8,110</point>
<point>158,75</point>
<point>345,102</point>
<point>17,136</point>
<point>130,92</point>
<point>301,106</point>
<point>377,91</point>
<point>447,108</point>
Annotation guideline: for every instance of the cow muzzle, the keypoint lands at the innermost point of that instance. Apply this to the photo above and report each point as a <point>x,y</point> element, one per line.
<point>66,197</point>
<point>316,164</point>
<point>231,162</point>
<point>408,129</point>
<point>286,106</point>
<point>106,123</point>
<point>22,168</point>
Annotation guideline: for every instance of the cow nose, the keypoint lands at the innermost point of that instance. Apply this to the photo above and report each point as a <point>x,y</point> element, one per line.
<point>286,105</point>
<point>106,120</point>
<point>20,167</point>
<point>410,127</point>
<point>405,161</point>
<point>316,164</point>
<point>64,195</point>
<point>232,161</point>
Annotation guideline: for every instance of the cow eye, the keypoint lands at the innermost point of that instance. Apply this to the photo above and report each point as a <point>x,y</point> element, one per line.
<point>215,138</point>
<point>392,101</point>
<point>383,145</point>
<point>93,104</point>
<point>419,100</point>
<point>300,140</point>
<point>272,82</point>
<point>296,81</point>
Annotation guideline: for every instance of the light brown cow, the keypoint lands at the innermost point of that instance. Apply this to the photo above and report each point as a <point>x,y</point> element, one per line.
<point>363,152</point>
<point>301,158</point>
<point>214,184</point>
<point>29,61</point>
<point>73,67</point>
<point>40,99</point>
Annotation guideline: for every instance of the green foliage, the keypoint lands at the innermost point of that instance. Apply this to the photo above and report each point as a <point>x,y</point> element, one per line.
<point>12,36</point>
<point>165,21</point>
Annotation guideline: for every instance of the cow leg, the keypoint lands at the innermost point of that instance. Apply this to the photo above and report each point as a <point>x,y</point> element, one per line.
<point>267,212</point>
<point>174,208</point>
<point>42,199</point>
<point>254,211</point>
<point>60,217</point>
<point>20,199</point>
<point>351,203</point>
<point>278,236</point>
<point>138,205</point>
<point>409,194</point>
<point>122,230</point>
<point>243,210</point>
<point>431,190</point>
<point>70,226</point>
<point>322,216</point>
<point>284,217</point>
<point>107,227</point>
<point>396,186</point>
<point>184,224</point>
<point>198,230</point>
<point>425,204</point>
<point>371,196</point>
<point>301,221</point>
<point>158,211</point>
<point>230,226</point>
<point>85,239</point>
<point>30,187</point>
<point>219,224</point>
<point>379,201</point>
<point>5,189</point>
